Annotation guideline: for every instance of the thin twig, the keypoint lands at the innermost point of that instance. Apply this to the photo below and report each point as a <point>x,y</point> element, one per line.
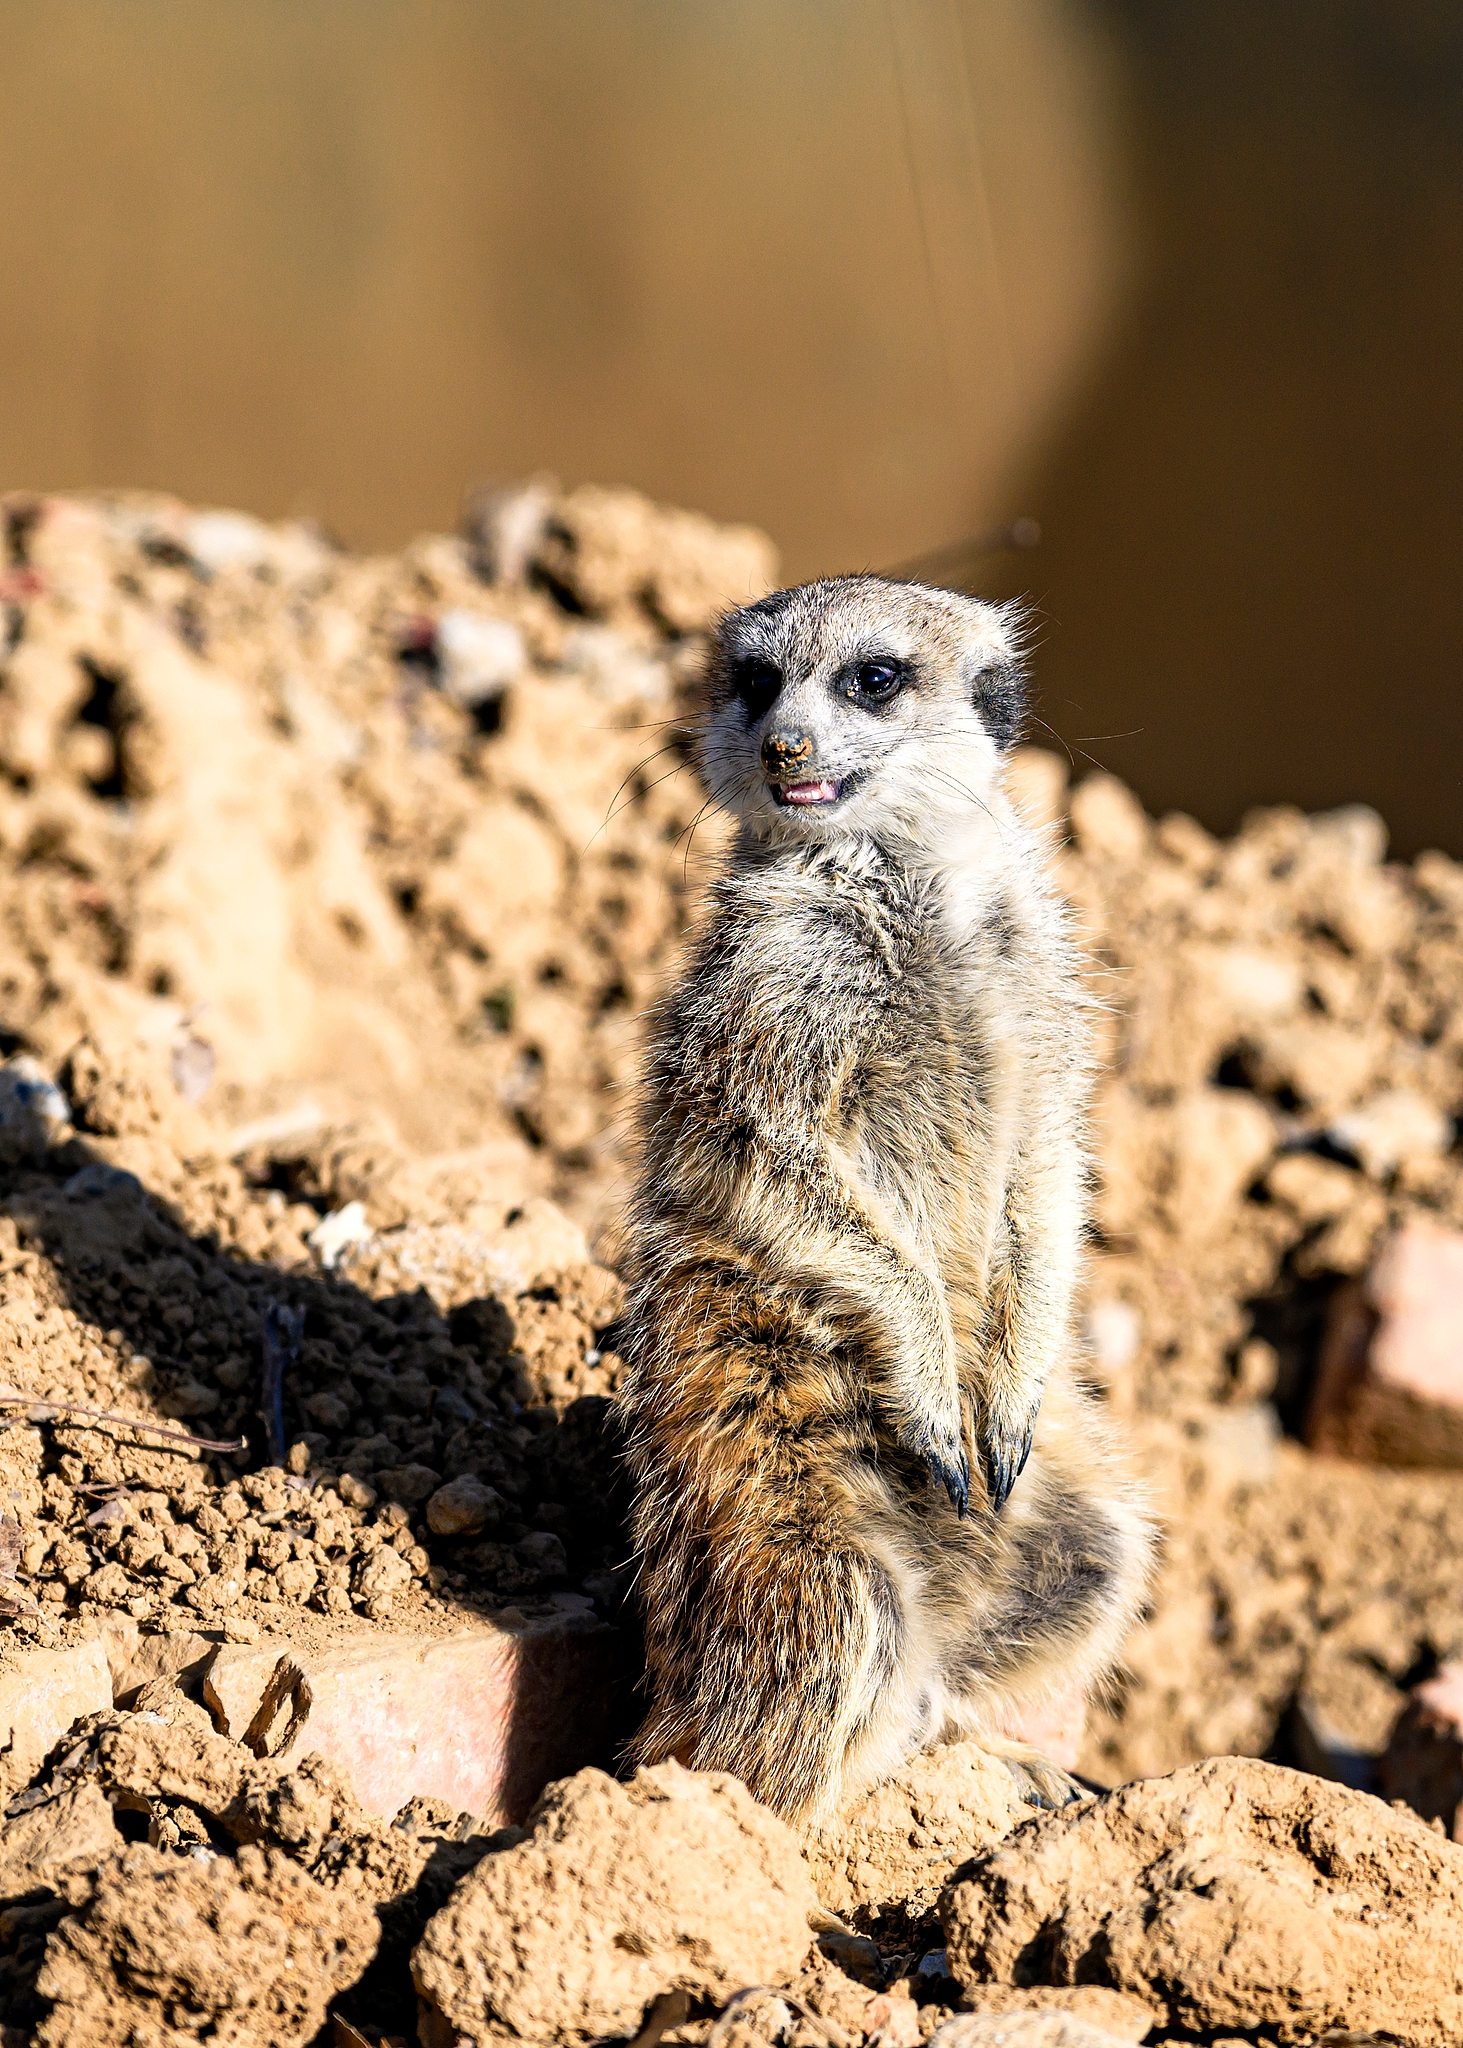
<point>175,1436</point>
<point>284,1331</point>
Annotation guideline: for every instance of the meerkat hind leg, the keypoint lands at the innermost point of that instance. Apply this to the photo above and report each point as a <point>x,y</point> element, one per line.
<point>1040,1782</point>
<point>1037,1601</point>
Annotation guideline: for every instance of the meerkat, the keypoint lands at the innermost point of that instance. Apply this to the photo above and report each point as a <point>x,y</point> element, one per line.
<point>873,1506</point>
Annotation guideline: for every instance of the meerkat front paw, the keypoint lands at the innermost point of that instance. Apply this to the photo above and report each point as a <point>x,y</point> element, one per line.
<point>925,1405</point>
<point>944,1454</point>
<point>953,1473</point>
<point>1003,1444</point>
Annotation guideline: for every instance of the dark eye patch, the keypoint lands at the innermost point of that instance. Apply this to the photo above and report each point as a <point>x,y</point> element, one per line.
<point>874,682</point>
<point>757,685</point>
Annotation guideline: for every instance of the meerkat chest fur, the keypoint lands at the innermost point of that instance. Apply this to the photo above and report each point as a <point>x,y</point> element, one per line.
<point>895,1012</point>
<point>980,1020</point>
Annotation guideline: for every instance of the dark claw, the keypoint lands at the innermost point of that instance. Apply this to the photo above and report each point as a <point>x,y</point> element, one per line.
<point>1002,1467</point>
<point>954,1478</point>
<point>1045,1785</point>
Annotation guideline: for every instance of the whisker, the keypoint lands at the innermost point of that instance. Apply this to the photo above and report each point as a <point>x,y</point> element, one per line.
<point>688,833</point>
<point>638,769</point>
<point>961,789</point>
<point>691,840</point>
<point>612,814</point>
<point>1061,742</point>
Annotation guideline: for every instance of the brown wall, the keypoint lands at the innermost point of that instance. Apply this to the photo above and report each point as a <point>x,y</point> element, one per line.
<point>1254,516</point>
<point>1184,282</point>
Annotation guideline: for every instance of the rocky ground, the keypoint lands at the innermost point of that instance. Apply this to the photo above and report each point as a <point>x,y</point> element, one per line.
<point>333,889</point>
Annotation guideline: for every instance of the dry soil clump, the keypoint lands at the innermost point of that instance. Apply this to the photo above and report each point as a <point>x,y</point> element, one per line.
<point>147,1821</point>
<point>676,1882</point>
<point>1232,1894</point>
<point>890,1855</point>
<point>232,1953</point>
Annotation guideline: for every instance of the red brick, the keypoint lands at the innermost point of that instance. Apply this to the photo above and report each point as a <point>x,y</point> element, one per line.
<point>1390,1386</point>
<point>1423,1763</point>
<point>482,1718</point>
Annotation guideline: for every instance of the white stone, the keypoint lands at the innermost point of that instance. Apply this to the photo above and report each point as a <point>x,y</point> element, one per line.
<point>1114,1332</point>
<point>1391,1127</point>
<point>335,1233</point>
<point>480,655</point>
<point>227,540</point>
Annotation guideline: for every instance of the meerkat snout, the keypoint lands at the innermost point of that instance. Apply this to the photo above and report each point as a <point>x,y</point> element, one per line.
<point>782,752</point>
<point>790,759</point>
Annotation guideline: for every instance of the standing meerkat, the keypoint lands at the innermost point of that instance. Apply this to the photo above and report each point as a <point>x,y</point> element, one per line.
<point>873,1507</point>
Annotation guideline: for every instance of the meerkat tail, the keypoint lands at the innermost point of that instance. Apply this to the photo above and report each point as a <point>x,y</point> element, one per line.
<point>787,1674</point>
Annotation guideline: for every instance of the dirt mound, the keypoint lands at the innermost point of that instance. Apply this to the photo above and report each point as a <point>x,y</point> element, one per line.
<point>1284,1073</point>
<point>678,1881</point>
<point>1230,1895</point>
<point>332,834</point>
<point>287,1839</point>
<point>388,1399</point>
<point>891,1854</point>
<point>331,891</point>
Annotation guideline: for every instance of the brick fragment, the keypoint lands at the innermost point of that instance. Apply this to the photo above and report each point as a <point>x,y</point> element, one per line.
<point>1389,1390</point>
<point>41,1693</point>
<point>483,1718</point>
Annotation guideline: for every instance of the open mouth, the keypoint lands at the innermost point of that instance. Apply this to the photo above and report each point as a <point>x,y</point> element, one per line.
<point>808,794</point>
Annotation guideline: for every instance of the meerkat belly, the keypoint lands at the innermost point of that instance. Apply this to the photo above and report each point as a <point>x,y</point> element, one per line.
<point>929,1117</point>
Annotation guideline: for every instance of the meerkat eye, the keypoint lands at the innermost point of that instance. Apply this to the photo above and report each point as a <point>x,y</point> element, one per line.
<point>874,683</point>
<point>756,685</point>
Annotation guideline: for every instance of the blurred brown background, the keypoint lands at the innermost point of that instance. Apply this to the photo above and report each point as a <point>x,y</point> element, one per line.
<point>1182,281</point>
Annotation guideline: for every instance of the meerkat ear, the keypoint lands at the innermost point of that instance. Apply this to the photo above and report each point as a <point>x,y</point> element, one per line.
<point>997,673</point>
<point>1000,698</point>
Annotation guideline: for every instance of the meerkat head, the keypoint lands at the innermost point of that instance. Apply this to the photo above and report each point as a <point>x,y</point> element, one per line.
<point>861,706</point>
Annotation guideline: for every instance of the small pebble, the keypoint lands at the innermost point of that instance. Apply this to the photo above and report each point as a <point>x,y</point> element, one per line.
<point>335,1234</point>
<point>479,655</point>
<point>464,1507</point>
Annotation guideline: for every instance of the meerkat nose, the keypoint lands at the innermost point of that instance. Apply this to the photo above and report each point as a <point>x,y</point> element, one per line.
<point>810,793</point>
<point>784,751</point>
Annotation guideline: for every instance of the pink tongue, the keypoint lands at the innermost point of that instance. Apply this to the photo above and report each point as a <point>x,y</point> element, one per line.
<point>810,792</point>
